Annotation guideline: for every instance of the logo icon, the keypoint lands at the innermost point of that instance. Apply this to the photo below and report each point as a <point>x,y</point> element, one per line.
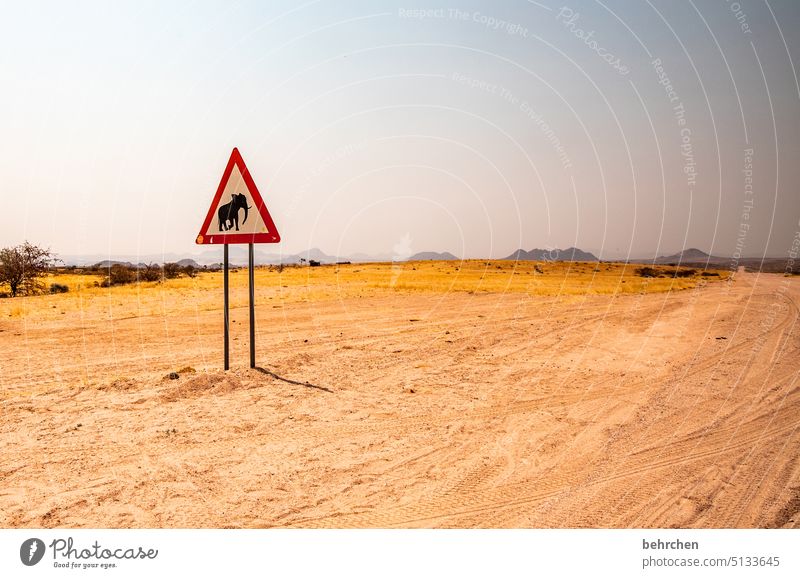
<point>31,552</point>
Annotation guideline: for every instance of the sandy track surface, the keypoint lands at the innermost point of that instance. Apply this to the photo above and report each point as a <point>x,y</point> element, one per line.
<point>414,410</point>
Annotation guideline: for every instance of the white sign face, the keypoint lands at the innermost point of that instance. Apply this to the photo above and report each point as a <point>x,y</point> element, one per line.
<point>238,213</point>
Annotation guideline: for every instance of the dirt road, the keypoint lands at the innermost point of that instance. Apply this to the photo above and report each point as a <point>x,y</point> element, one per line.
<point>413,410</point>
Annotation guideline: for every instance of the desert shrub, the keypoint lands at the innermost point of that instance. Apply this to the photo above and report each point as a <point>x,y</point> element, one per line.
<point>171,270</point>
<point>119,275</point>
<point>710,274</point>
<point>647,272</point>
<point>685,273</point>
<point>22,267</point>
<point>58,288</point>
<point>151,272</point>
<point>190,271</point>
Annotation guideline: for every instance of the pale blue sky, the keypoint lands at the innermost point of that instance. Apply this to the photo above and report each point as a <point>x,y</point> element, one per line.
<point>476,131</point>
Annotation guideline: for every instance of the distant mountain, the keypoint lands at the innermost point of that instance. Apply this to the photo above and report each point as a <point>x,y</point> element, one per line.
<point>238,254</point>
<point>433,256</point>
<point>108,263</point>
<point>211,257</point>
<point>91,259</point>
<point>571,254</point>
<point>690,256</point>
<point>314,253</point>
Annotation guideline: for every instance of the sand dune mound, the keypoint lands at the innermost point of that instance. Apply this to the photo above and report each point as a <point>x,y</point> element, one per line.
<point>120,384</point>
<point>200,385</point>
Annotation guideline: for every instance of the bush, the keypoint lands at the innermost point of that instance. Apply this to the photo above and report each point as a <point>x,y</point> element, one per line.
<point>171,270</point>
<point>22,267</point>
<point>647,272</point>
<point>58,288</point>
<point>151,272</point>
<point>119,275</point>
<point>123,274</point>
<point>685,273</point>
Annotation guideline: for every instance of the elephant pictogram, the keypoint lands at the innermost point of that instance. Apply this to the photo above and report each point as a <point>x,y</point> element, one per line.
<point>228,213</point>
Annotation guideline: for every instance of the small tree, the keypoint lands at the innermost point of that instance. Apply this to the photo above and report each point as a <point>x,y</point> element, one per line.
<point>171,270</point>
<point>22,267</point>
<point>151,272</point>
<point>119,275</point>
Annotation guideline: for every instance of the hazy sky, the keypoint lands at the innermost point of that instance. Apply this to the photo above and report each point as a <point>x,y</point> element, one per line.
<point>620,127</point>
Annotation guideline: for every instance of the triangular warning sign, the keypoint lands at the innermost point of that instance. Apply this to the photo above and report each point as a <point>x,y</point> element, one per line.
<point>237,213</point>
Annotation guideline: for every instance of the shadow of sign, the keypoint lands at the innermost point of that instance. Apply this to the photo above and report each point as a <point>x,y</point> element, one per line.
<point>279,378</point>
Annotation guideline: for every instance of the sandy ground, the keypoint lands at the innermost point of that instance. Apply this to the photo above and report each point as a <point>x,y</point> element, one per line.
<point>413,410</point>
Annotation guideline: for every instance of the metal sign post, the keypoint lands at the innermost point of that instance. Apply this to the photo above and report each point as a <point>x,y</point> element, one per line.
<point>238,215</point>
<point>252,284</point>
<point>226,316</point>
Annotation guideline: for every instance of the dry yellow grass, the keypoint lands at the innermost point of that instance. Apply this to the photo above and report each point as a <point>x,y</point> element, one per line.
<point>536,278</point>
<point>303,284</point>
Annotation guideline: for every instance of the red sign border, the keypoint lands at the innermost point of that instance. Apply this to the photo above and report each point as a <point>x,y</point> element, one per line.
<point>268,237</point>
